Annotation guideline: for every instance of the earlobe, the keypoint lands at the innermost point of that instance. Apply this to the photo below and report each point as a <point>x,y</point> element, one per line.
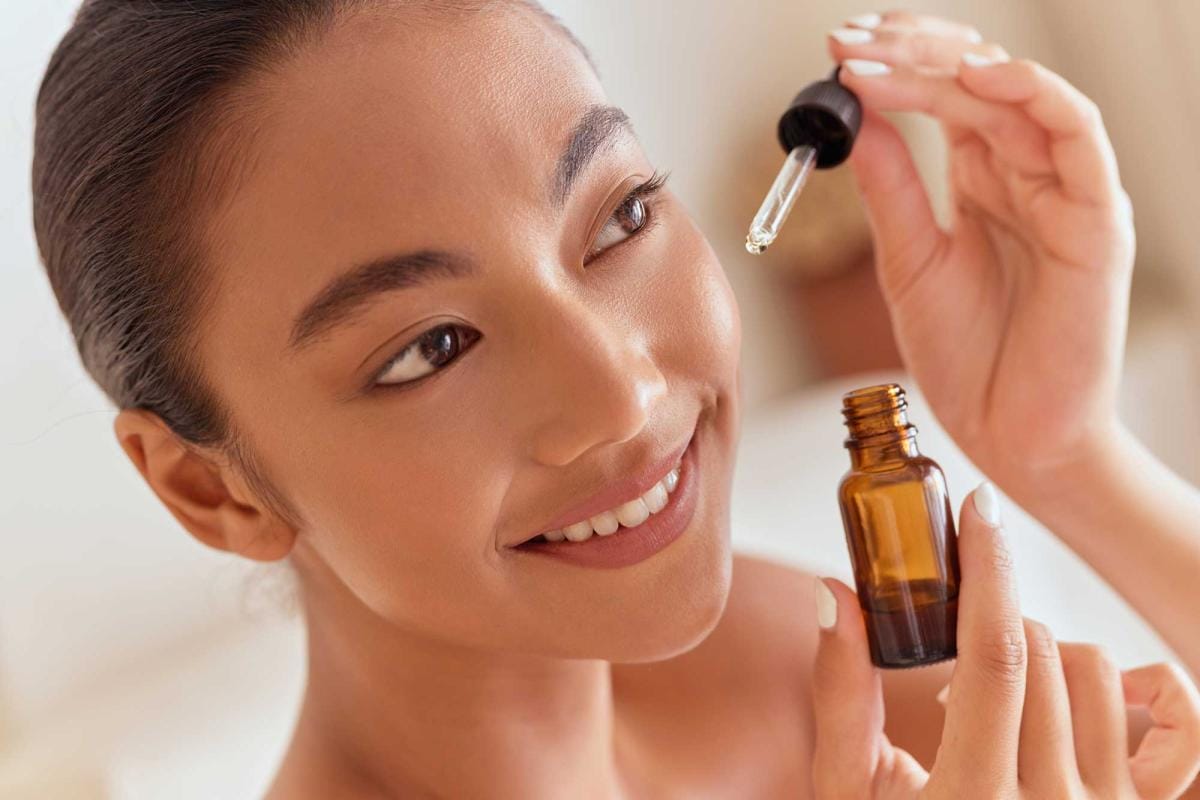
<point>202,495</point>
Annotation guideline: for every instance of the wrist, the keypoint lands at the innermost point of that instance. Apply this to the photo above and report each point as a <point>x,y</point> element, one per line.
<point>1094,464</point>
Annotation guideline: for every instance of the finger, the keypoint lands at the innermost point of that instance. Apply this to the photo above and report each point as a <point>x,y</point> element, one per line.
<point>1080,147</point>
<point>1097,717</point>
<point>899,45</point>
<point>847,697</point>
<point>1168,759</point>
<point>901,18</point>
<point>975,178</point>
<point>1013,136</point>
<point>1046,763</point>
<point>983,715</point>
<point>904,228</point>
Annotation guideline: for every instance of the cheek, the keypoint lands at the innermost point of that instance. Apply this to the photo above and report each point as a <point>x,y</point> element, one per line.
<point>407,511</point>
<point>698,307</point>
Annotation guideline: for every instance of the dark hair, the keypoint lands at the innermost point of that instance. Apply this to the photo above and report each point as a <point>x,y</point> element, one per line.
<point>134,118</point>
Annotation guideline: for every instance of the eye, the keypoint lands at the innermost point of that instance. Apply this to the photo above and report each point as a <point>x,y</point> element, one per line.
<point>629,218</point>
<point>626,220</point>
<point>428,353</point>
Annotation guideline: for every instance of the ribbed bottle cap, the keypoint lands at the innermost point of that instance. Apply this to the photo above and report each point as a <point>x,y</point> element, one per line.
<point>826,115</point>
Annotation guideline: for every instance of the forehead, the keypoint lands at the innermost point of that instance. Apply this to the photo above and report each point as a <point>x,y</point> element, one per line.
<point>396,122</point>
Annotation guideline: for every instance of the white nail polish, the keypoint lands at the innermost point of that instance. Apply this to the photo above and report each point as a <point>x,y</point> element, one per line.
<point>979,60</point>
<point>866,20</point>
<point>987,503</point>
<point>975,37</point>
<point>944,695</point>
<point>860,66</point>
<point>851,35</point>
<point>826,605</point>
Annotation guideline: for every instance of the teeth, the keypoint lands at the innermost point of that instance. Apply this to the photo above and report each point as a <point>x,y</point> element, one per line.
<point>632,513</point>
<point>579,531</point>
<point>629,515</point>
<point>604,523</point>
<point>656,498</point>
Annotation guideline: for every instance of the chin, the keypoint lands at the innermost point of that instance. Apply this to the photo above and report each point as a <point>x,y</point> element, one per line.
<point>674,609</point>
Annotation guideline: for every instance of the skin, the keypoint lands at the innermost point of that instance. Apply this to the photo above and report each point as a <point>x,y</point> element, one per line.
<point>440,663</point>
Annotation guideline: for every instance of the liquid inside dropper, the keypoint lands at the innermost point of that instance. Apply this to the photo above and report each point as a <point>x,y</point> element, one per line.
<point>780,199</point>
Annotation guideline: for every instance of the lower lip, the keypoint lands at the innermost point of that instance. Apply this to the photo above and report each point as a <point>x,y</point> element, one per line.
<point>630,545</point>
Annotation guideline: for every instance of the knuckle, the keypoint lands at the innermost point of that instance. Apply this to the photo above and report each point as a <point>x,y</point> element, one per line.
<point>1094,660</point>
<point>1041,646</point>
<point>1000,558</point>
<point>1002,654</point>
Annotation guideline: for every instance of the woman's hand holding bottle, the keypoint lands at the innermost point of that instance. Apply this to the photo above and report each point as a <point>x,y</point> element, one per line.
<point>1026,716</point>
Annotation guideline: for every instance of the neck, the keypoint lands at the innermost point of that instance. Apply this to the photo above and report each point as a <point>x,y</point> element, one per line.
<point>402,713</point>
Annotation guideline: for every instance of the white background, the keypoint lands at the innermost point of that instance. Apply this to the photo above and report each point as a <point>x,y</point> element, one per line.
<point>117,626</point>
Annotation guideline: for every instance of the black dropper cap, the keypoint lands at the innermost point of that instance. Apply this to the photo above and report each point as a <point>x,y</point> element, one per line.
<point>825,115</point>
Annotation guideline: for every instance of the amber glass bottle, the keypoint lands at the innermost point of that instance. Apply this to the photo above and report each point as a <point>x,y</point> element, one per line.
<point>900,531</point>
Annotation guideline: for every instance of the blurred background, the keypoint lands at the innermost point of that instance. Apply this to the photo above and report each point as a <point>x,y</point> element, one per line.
<point>135,663</point>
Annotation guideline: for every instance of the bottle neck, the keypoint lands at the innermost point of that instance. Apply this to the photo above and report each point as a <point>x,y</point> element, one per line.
<point>880,434</point>
<point>887,452</point>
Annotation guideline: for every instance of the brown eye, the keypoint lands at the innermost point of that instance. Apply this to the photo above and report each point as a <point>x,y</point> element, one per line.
<point>426,354</point>
<point>626,220</point>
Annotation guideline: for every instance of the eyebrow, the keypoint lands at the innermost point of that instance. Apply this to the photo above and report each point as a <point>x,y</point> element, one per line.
<point>596,128</point>
<point>347,294</point>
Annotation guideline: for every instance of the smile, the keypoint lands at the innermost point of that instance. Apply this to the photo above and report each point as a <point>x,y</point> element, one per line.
<point>629,514</point>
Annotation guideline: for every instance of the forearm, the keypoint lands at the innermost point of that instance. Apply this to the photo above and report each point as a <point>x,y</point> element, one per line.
<point>1138,525</point>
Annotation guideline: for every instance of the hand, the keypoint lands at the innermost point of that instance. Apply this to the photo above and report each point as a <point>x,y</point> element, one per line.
<point>1026,717</point>
<point>1013,321</point>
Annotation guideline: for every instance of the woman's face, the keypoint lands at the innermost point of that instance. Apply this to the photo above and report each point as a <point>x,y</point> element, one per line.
<point>580,337</point>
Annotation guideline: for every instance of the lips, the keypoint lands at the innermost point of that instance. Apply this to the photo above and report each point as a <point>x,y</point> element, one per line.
<point>634,483</point>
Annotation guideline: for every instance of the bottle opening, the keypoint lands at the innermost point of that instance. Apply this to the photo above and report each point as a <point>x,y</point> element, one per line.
<point>875,414</point>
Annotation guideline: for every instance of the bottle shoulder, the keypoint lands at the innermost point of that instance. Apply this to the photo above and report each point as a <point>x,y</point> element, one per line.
<point>917,469</point>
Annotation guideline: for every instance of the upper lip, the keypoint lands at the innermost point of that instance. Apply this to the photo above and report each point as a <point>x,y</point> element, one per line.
<point>634,483</point>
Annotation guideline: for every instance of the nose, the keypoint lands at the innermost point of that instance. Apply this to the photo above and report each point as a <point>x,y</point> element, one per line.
<point>599,384</point>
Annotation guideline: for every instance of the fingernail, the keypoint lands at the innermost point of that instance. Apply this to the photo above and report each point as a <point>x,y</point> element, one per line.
<point>860,66</point>
<point>980,60</point>
<point>944,695</point>
<point>851,35</point>
<point>987,503</point>
<point>975,37</point>
<point>871,20</point>
<point>826,605</point>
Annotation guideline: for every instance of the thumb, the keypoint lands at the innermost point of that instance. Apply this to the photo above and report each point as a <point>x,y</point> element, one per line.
<point>847,697</point>
<point>903,225</point>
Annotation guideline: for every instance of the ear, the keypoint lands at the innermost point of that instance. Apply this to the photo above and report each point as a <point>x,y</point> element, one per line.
<point>210,500</point>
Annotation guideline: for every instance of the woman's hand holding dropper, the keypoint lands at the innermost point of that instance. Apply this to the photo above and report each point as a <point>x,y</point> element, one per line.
<point>1013,320</point>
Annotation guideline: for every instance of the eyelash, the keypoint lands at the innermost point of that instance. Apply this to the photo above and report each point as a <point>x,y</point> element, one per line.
<point>647,191</point>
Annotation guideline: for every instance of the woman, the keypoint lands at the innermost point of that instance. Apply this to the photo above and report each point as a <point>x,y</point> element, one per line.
<point>388,289</point>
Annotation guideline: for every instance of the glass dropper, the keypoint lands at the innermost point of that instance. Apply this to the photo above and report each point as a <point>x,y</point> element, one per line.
<point>779,200</point>
<point>817,131</point>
